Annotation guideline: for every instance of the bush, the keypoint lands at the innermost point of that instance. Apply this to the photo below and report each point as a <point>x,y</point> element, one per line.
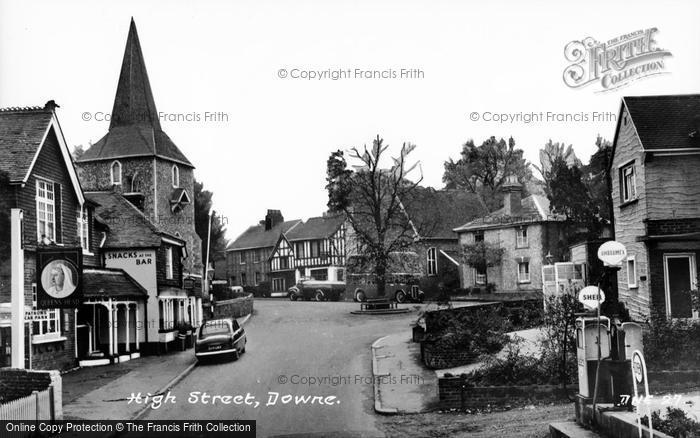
<point>558,342</point>
<point>522,315</point>
<point>672,344</point>
<point>481,332</point>
<point>516,369</point>
<point>676,423</point>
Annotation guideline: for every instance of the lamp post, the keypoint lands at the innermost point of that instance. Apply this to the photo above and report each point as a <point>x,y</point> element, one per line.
<point>205,279</point>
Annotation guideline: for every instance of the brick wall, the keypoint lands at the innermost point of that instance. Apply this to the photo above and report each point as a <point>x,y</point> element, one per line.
<point>453,393</point>
<point>437,357</point>
<point>234,308</point>
<point>16,383</point>
<point>673,226</point>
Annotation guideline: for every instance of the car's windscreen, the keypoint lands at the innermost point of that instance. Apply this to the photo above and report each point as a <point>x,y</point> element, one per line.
<point>214,328</point>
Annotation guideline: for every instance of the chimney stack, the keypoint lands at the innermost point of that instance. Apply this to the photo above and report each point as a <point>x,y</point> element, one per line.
<point>272,219</point>
<point>51,105</point>
<point>512,196</point>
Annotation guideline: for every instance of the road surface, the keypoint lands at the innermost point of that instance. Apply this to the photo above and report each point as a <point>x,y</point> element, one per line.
<point>298,349</point>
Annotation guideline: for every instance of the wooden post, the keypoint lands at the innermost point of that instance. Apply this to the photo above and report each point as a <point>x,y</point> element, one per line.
<point>17,288</point>
<point>52,408</point>
<point>36,404</point>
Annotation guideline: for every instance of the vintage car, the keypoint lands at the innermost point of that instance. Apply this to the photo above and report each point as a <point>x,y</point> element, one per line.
<point>218,337</point>
<point>402,281</point>
<point>402,288</point>
<point>319,290</point>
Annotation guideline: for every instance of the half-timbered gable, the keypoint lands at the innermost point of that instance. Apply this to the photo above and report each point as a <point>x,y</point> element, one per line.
<point>308,250</point>
<point>248,257</point>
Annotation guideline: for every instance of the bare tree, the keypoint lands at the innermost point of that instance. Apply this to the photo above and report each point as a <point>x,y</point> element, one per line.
<point>374,199</point>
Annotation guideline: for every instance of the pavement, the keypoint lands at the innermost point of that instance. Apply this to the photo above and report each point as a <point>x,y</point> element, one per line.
<point>102,392</point>
<point>403,385</point>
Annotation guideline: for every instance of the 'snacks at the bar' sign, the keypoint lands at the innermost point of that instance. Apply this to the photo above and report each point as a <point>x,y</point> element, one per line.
<point>59,277</point>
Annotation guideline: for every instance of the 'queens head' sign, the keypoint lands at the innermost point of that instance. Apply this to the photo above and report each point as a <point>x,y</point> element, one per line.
<point>59,277</point>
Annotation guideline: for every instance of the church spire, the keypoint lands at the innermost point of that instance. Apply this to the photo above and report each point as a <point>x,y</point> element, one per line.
<point>134,104</point>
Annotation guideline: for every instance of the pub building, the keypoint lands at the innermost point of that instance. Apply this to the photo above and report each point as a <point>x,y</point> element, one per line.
<point>125,206</point>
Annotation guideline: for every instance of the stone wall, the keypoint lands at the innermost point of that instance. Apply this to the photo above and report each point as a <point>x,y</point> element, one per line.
<point>235,308</point>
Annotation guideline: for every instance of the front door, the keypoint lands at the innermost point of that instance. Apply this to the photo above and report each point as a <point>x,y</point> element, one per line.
<point>680,273</point>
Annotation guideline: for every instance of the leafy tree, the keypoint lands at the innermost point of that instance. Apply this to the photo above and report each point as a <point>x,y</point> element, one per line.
<point>78,152</point>
<point>551,153</point>
<point>483,169</point>
<point>597,179</point>
<point>374,199</point>
<point>482,255</point>
<point>202,205</point>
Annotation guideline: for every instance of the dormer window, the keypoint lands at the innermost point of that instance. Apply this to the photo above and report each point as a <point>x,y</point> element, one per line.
<point>116,173</point>
<point>176,176</point>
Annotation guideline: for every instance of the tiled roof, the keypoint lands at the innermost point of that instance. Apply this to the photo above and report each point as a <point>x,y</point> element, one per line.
<point>21,133</point>
<point>535,208</point>
<point>111,283</point>
<point>666,122</point>
<point>134,128</point>
<point>257,237</point>
<point>316,228</point>
<point>128,226</point>
<point>134,141</point>
<point>435,213</point>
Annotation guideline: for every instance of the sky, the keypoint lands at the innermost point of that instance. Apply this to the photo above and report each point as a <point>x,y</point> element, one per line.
<point>231,79</point>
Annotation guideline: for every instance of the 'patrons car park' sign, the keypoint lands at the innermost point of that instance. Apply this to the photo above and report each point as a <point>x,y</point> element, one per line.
<point>591,296</point>
<point>59,277</point>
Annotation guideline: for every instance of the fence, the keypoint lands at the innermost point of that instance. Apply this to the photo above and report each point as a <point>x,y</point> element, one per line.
<point>39,406</point>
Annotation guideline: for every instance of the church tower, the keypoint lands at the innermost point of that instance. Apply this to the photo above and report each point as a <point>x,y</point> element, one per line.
<point>138,160</point>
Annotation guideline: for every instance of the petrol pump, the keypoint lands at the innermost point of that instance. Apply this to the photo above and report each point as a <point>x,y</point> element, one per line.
<point>604,350</point>
<point>587,341</point>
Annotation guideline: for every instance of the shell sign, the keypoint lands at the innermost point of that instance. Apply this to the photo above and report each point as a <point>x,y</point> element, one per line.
<point>591,297</point>
<point>612,253</point>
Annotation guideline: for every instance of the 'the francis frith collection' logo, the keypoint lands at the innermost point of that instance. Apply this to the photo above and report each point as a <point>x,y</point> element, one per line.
<point>616,62</point>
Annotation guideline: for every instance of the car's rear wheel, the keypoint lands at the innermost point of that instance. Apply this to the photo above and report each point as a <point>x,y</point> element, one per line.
<point>319,296</point>
<point>360,296</point>
<point>293,296</point>
<point>400,296</point>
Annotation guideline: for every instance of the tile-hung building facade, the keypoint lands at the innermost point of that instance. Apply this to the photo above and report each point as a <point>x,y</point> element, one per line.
<point>247,257</point>
<point>309,249</point>
<point>655,191</point>
<point>143,185</point>
<point>44,184</point>
<point>527,232</point>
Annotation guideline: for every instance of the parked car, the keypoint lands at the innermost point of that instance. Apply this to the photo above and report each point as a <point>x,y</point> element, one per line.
<point>318,290</point>
<point>218,337</point>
